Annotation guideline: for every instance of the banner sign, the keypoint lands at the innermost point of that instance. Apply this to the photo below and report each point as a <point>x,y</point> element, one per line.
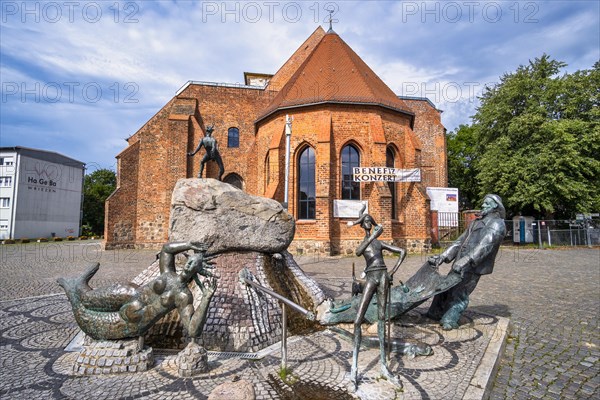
<point>385,174</point>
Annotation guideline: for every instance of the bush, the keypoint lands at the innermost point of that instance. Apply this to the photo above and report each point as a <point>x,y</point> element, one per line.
<point>25,240</point>
<point>86,230</point>
<point>83,238</point>
<point>40,240</point>
<point>58,239</point>
<point>8,241</point>
<point>70,237</point>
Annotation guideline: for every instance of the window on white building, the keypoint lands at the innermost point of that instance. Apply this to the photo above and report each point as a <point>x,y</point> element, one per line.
<point>4,202</point>
<point>6,181</point>
<point>3,224</point>
<point>6,161</point>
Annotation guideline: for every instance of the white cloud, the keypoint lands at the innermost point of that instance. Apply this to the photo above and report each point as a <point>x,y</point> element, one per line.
<point>173,42</point>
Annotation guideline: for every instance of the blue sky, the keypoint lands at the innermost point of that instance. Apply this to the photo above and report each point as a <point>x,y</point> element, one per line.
<point>79,77</point>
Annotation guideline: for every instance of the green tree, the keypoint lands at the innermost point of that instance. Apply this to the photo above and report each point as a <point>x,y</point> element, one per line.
<point>538,139</point>
<point>462,165</point>
<point>97,186</point>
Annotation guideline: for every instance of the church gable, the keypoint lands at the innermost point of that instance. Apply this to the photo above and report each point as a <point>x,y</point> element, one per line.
<point>334,73</point>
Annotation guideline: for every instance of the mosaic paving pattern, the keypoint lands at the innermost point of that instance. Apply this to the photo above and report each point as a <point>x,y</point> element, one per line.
<point>552,298</point>
<point>35,365</point>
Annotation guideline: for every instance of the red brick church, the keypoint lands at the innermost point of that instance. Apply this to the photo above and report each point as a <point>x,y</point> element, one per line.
<point>343,116</point>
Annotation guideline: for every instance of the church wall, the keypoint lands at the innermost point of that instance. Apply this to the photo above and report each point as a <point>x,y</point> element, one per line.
<point>162,161</point>
<point>432,134</point>
<point>161,147</point>
<point>227,107</point>
<point>120,220</point>
<point>327,129</point>
<point>159,154</point>
<point>412,211</point>
<point>309,128</point>
<point>138,211</point>
<point>270,140</point>
<point>140,177</point>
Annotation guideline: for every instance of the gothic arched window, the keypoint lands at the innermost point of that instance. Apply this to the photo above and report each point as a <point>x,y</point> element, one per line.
<point>350,159</point>
<point>234,180</point>
<point>306,184</point>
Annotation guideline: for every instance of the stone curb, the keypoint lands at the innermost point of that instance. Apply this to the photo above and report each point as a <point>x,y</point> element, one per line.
<point>485,374</point>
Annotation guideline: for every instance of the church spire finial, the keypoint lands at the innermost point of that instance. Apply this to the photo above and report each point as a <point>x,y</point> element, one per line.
<point>330,11</point>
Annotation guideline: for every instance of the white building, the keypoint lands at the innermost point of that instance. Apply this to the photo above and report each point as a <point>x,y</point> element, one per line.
<point>40,194</point>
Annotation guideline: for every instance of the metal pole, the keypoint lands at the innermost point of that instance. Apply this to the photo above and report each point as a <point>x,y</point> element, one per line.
<point>283,339</point>
<point>540,234</point>
<point>549,238</point>
<point>571,233</point>
<point>288,135</point>
<point>587,232</point>
<point>387,315</point>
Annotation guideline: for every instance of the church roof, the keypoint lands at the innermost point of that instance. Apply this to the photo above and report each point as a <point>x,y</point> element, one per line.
<point>283,75</point>
<point>334,73</point>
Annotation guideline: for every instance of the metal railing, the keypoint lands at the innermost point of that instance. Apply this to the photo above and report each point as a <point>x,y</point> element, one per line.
<point>540,233</point>
<point>284,301</point>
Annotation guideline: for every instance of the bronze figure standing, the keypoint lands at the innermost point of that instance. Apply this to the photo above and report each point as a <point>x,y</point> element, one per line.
<point>377,279</point>
<point>212,152</point>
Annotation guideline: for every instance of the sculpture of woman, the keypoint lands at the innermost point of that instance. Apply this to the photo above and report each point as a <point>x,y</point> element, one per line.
<point>378,280</point>
<point>120,311</point>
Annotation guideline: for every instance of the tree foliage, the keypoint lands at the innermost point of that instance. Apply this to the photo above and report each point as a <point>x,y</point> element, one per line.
<point>462,165</point>
<point>536,140</point>
<point>97,186</point>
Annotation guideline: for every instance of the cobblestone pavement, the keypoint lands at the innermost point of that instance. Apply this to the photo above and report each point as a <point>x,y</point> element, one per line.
<point>552,298</point>
<point>35,366</point>
<point>31,269</point>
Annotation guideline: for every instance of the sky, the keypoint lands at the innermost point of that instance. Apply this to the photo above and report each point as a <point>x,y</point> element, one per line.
<point>79,77</point>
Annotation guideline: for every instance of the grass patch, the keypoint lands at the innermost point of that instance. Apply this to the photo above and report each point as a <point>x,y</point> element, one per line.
<point>286,376</point>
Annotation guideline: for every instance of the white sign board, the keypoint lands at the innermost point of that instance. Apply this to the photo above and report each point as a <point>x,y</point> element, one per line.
<point>443,199</point>
<point>348,208</point>
<point>385,174</point>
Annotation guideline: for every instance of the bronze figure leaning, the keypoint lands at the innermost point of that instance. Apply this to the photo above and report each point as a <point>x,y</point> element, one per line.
<point>473,254</point>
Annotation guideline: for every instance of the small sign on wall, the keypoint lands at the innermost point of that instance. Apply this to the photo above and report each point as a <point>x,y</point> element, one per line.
<point>348,208</point>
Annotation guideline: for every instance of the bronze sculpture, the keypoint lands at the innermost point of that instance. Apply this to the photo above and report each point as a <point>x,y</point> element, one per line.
<point>473,253</point>
<point>377,279</point>
<point>119,311</point>
<point>212,152</point>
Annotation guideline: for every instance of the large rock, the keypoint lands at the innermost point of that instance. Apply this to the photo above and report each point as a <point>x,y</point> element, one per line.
<point>228,219</point>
